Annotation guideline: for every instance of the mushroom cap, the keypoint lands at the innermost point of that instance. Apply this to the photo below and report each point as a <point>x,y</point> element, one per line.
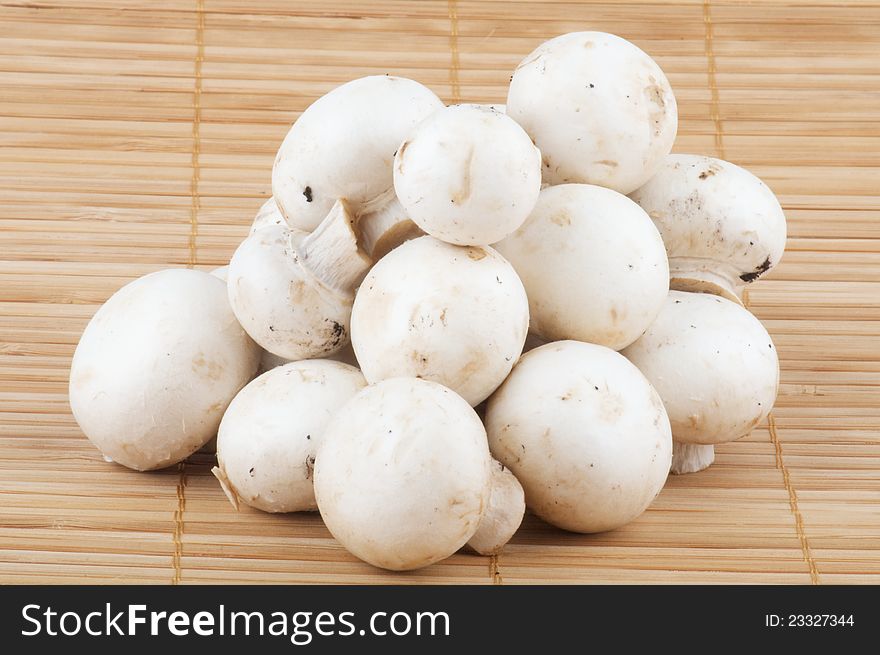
<point>713,364</point>
<point>156,367</point>
<point>716,216</point>
<point>468,175</point>
<point>272,429</point>
<point>280,303</point>
<point>343,146</point>
<point>503,516</point>
<point>402,475</point>
<point>267,215</point>
<point>592,263</point>
<point>455,315</point>
<point>584,433</point>
<point>599,108</point>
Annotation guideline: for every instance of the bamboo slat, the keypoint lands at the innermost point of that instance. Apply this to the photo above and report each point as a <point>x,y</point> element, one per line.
<point>136,136</point>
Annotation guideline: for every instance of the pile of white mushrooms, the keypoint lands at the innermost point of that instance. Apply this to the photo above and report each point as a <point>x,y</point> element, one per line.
<point>441,243</point>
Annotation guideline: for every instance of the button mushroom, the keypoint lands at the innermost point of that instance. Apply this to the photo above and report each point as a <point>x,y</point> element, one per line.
<point>268,361</point>
<point>271,430</point>
<point>156,367</point>
<point>455,315</point>
<point>343,146</point>
<point>714,366</point>
<point>402,476</point>
<point>601,110</point>
<point>468,175</point>
<point>722,226</point>
<point>293,293</point>
<point>503,516</point>
<point>592,263</point>
<point>584,432</point>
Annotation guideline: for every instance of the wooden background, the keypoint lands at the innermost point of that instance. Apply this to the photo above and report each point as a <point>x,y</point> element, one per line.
<point>136,136</point>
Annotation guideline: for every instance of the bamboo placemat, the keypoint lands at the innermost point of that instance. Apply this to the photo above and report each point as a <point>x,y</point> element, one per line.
<point>136,135</point>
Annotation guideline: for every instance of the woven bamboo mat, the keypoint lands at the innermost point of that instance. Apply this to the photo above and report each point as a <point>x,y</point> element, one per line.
<point>136,135</point>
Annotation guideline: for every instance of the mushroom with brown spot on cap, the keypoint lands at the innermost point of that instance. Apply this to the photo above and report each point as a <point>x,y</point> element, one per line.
<point>268,360</point>
<point>292,292</point>
<point>722,226</point>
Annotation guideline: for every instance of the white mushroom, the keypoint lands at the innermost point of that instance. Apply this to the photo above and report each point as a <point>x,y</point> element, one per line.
<point>455,315</point>
<point>293,295</point>
<point>592,263</point>
<point>503,516</point>
<point>156,367</point>
<point>271,431</point>
<point>268,360</point>
<point>714,366</point>
<point>267,215</point>
<point>343,146</point>
<point>585,434</point>
<point>402,477</point>
<point>722,226</point>
<point>468,175</point>
<point>601,110</point>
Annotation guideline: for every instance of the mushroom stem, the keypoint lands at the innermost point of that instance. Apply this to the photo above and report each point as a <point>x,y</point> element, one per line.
<point>332,252</point>
<point>220,474</point>
<point>384,228</point>
<point>504,514</point>
<point>704,276</point>
<point>691,457</point>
